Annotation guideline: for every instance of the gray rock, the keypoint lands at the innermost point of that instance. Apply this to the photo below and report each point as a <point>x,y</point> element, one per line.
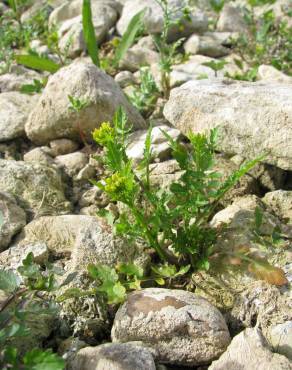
<point>137,57</point>
<point>72,163</point>
<point>182,328</point>
<point>12,258</point>
<point>12,219</point>
<point>270,73</point>
<point>53,119</point>
<point>40,155</point>
<point>210,44</point>
<point>280,201</point>
<point>124,78</point>
<point>160,146</point>
<point>248,351</point>
<point>231,19</point>
<point>280,337</point>
<point>38,189</point>
<point>14,80</point>
<point>114,356</point>
<point>14,110</point>
<point>85,239</point>
<point>63,146</point>
<point>69,21</point>
<point>252,118</point>
<point>153,18</point>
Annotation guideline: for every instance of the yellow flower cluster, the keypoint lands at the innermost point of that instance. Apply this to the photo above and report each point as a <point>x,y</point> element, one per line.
<point>104,134</point>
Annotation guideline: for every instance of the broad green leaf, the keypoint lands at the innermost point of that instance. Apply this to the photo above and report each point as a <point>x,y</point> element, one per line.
<point>130,269</point>
<point>38,63</point>
<point>160,281</point>
<point>167,271</point>
<point>129,36</point>
<point>9,281</point>
<point>183,270</point>
<point>89,32</point>
<point>117,294</point>
<point>38,359</point>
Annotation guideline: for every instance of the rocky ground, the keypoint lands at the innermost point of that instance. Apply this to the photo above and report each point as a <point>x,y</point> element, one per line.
<point>224,319</point>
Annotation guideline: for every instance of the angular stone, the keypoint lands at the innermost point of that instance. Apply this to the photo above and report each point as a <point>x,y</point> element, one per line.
<point>249,350</point>
<point>53,119</point>
<point>252,118</point>
<point>72,163</point>
<point>184,329</point>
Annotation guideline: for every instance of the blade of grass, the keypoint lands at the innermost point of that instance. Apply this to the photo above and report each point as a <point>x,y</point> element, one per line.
<point>89,32</point>
<point>39,63</point>
<point>129,36</point>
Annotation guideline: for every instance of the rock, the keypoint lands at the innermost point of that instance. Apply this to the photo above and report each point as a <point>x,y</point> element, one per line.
<point>231,19</point>
<point>249,350</point>
<point>12,219</point>
<point>280,337</point>
<point>124,78</point>
<point>69,21</point>
<point>252,118</point>
<point>38,189</point>
<point>14,80</point>
<point>53,119</point>
<point>210,44</point>
<point>63,146</point>
<point>263,305</point>
<point>83,238</point>
<point>14,110</point>
<point>280,202</point>
<point>137,57</point>
<point>270,73</point>
<point>40,155</point>
<point>69,348</point>
<point>160,146</point>
<point>72,163</point>
<point>153,18</point>
<point>12,258</point>
<point>183,329</point>
<point>114,356</point>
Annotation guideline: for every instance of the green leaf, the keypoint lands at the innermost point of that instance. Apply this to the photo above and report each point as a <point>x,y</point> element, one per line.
<point>116,294</point>
<point>89,32</point>
<point>42,360</point>
<point>129,36</point>
<point>38,63</point>
<point>165,270</point>
<point>9,281</point>
<point>130,269</point>
<point>13,6</point>
<point>160,281</point>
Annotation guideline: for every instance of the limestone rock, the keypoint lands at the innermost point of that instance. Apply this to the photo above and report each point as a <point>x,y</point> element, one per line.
<point>124,78</point>
<point>40,155</point>
<point>18,77</point>
<point>153,18</point>
<point>280,201</point>
<point>14,110</point>
<point>210,44</point>
<point>53,119</point>
<point>12,219</point>
<point>63,146</point>
<point>114,356</point>
<point>231,19</point>
<point>183,329</point>
<point>72,163</point>
<point>248,351</point>
<point>137,57</point>
<point>270,73</point>
<point>38,189</point>
<point>252,118</point>
<point>280,337</point>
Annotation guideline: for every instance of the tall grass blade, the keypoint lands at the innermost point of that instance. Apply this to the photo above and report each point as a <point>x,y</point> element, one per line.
<point>38,63</point>
<point>89,32</point>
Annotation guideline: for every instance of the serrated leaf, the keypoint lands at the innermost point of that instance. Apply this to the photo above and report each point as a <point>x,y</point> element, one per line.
<point>129,36</point>
<point>43,360</point>
<point>9,281</point>
<point>38,63</point>
<point>89,32</point>
<point>271,274</point>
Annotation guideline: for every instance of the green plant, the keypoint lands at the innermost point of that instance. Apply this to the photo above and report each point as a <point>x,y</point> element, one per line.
<point>25,297</point>
<point>216,66</point>
<point>36,87</point>
<point>268,41</point>
<point>89,32</point>
<point>145,96</point>
<point>167,51</point>
<point>217,5</point>
<point>77,105</point>
<point>37,62</point>
<point>173,222</point>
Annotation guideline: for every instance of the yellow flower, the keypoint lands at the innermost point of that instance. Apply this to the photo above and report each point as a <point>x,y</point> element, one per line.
<point>104,134</point>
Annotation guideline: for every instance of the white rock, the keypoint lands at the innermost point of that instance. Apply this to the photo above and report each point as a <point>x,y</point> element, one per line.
<point>153,18</point>
<point>12,219</point>
<point>252,118</point>
<point>14,80</point>
<point>231,19</point>
<point>248,351</point>
<point>38,188</point>
<point>14,110</point>
<point>63,146</point>
<point>270,73</point>
<point>137,57</point>
<point>210,44</point>
<point>40,154</point>
<point>124,78</point>
<point>53,119</point>
<point>114,356</point>
<point>184,329</point>
<point>72,163</point>
<point>280,201</point>
<point>280,337</point>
